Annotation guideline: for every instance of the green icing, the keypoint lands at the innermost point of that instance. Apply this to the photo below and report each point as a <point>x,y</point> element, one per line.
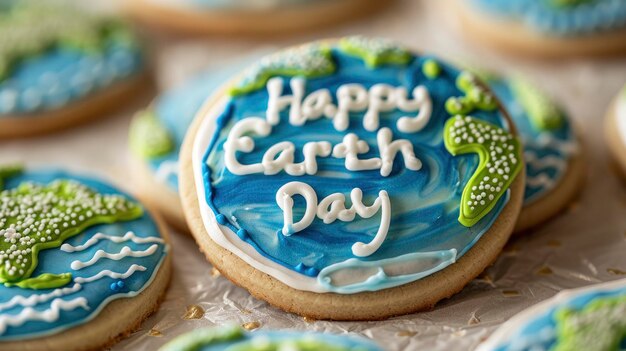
<point>35,217</point>
<point>500,160</point>
<point>290,344</point>
<point>31,27</point>
<point>475,96</point>
<point>543,113</point>
<point>199,338</point>
<point>431,69</point>
<point>568,3</point>
<point>9,171</point>
<point>149,138</point>
<point>601,326</point>
<point>309,61</point>
<point>375,51</point>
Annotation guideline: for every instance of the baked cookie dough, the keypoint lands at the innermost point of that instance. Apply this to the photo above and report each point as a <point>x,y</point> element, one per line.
<point>352,179</point>
<point>61,66</point>
<point>82,263</point>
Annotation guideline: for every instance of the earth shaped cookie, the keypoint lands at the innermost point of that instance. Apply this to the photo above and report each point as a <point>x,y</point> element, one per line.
<point>250,17</point>
<point>547,27</point>
<point>352,179</point>
<point>60,66</point>
<point>233,338</point>
<point>552,151</point>
<point>615,123</point>
<point>590,318</point>
<point>82,263</point>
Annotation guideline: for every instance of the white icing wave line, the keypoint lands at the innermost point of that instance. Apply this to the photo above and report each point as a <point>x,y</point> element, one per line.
<point>108,273</point>
<point>129,236</point>
<point>50,315</point>
<point>32,300</point>
<point>544,162</point>
<point>546,140</point>
<point>125,252</point>
<point>540,180</point>
<point>165,170</point>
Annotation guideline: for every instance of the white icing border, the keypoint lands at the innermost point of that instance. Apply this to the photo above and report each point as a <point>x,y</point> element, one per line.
<point>620,114</point>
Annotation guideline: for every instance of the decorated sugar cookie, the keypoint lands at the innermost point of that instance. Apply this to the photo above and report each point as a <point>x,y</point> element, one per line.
<point>234,338</point>
<point>352,179</point>
<point>554,164</point>
<point>615,123</point>
<point>60,66</point>
<point>589,318</point>
<point>82,263</point>
<point>251,17</point>
<point>547,27</point>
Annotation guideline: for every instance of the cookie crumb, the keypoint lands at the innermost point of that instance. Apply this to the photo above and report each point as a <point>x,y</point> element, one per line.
<point>155,333</point>
<point>215,273</point>
<point>251,325</point>
<point>545,270</point>
<point>616,271</point>
<point>406,333</point>
<point>511,293</point>
<point>473,320</point>
<point>194,312</point>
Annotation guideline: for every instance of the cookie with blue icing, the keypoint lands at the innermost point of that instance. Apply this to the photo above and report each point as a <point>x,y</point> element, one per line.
<point>552,151</point>
<point>83,263</point>
<point>234,338</point>
<point>589,318</point>
<point>61,65</point>
<point>615,131</point>
<point>547,27</point>
<point>248,17</point>
<point>352,179</point>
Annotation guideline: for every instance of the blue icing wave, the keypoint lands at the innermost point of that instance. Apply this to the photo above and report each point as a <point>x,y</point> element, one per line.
<point>99,292</point>
<point>424,203</point>
<point>546,152</point>
<point>539,332</point>
<point>589,17</point>
<point>63,75</point>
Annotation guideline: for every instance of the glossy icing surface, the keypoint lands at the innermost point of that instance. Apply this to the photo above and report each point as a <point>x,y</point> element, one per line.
<point>106,262</point>
<point>424,233</point>
<point>621,114</point>
<point>590,318</point>
<point>565,18</point>
<point>66,67</point>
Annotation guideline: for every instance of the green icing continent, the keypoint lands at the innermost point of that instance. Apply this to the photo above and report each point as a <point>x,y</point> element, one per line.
<point>197,339</point>
<point>601,326</point>
<point>375,51</point>
<point>543,114</point>
<point>500,160</point>
<point>431,69</point>
<point>475,97</point>
<point>149,138</point>
<point>9,171</point>
<point>568,3</point>
<point>35,217</point>
<point>31,27</point>
<point>309,61</point>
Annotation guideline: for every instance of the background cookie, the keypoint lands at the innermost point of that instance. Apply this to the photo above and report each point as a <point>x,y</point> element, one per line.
<point>552,152</point>
<point>589,318</point>
<point>60,66</point>
<point>235,338</point>
<point>248,17</point>
<point>435,209</point>
<point>83,264</point>
<point>546,27</point>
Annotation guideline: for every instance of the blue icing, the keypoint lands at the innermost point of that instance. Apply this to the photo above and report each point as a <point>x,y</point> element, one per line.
<point>98,293</point>
<point>63,75</point>
<point>546,152</point>
<point>539,332</point>
<point>542,16</point>
<point>424,203</point>
<point>227,4</point>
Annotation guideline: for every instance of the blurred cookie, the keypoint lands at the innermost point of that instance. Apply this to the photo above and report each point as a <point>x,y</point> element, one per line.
<point>248,16</point>
<point>615,123</point>
<point>546,27</point>
<point>61,66</point>
<point>430,164</point>
<point>83,263</point>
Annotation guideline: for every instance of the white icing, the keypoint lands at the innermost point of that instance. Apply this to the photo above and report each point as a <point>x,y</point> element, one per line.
<point>621,116</point>
<point>331,208</point>
<point>50,315</point>
<point>125,252</point>
<point>349,149</point>
<point>237,141</point>
<point>540,180</point>
<point>129,236</point>
<point>35,299</point>
<point>108,273</point>
<point>544,162</point>
<point>166,169</point>
<point>389,149</point>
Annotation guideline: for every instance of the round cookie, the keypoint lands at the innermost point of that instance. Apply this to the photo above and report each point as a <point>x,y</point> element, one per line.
<point>426,155</point>
<point>234,338</point>
<point>247,16</point>
<point>60,66</point>
<point>83,264</point>
<point>589,318</point>
<point>555,169</point>
<point>554,28</point>
<point>616,131</point>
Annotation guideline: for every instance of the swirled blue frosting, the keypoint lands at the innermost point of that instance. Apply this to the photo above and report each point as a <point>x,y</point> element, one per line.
<point>98,293</point>
<point>566,20</point>
<point>424,203</point>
